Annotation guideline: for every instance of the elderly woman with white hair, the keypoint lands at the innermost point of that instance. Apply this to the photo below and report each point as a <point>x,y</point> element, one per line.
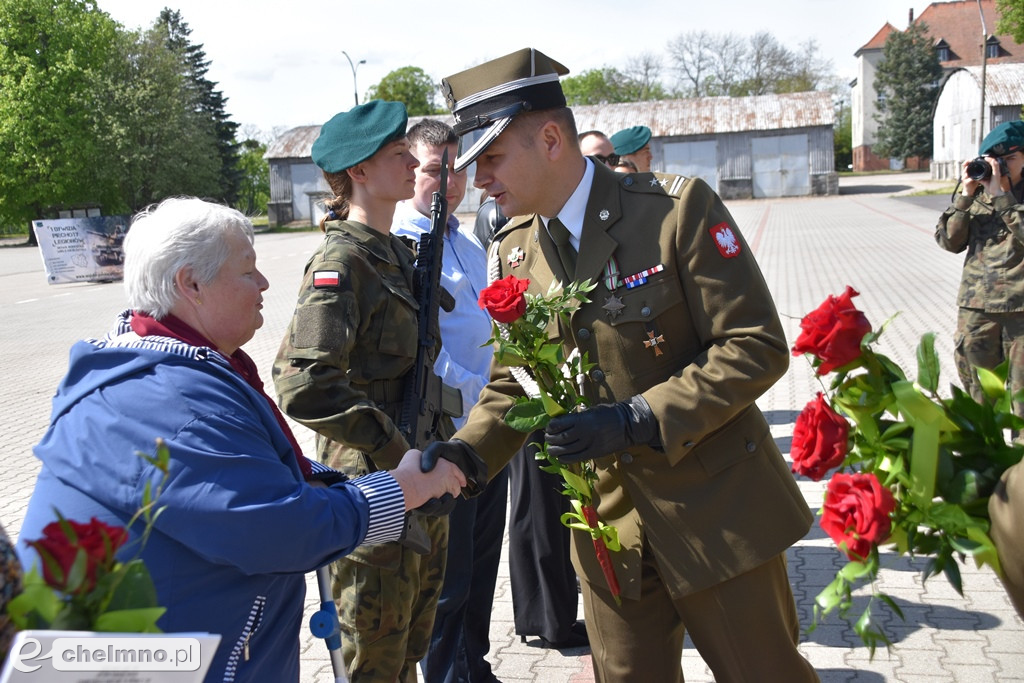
<point>241,524</point>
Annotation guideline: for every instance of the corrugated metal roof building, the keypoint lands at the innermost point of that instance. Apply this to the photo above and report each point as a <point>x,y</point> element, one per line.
<point>763,146</point>
<point>955,124</point>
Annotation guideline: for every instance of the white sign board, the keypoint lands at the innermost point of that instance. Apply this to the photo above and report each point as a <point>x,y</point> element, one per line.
<point>82,249</point>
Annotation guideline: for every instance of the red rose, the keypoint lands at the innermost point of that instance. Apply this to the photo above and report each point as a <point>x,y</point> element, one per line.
<point>58,551</point>
<point>819,439</point>
<point>504,300</point>
<point>856,513</point>
<point>833,332</point>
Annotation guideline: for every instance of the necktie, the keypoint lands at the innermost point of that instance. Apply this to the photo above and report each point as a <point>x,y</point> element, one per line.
<point>567,255</point>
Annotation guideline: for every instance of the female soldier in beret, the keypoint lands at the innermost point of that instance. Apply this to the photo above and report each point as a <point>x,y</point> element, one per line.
<point>340,372</point>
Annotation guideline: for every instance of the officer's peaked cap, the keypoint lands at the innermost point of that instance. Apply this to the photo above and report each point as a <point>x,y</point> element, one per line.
<point>487,97</point>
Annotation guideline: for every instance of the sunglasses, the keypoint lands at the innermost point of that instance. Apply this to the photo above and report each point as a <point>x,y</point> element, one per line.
<point>610,160</point>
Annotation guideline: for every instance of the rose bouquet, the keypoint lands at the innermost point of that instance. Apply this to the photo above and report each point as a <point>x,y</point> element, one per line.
<point>914,469</point>
<point>83,587</point>
<point>552,381</point>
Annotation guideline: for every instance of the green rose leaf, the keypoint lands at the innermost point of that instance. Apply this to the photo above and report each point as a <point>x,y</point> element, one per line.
<point>527,415</point>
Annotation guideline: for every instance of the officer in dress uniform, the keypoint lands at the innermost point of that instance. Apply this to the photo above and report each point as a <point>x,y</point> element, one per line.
<point>685,337</point>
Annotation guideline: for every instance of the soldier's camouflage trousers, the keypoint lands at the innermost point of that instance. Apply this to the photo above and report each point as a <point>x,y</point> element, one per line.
<point>387,597</point>
<point>985,340</point>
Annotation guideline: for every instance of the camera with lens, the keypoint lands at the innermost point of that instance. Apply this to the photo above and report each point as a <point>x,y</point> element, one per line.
<point>979,168</point>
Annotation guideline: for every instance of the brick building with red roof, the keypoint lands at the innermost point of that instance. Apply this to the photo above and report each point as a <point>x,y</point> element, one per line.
<point>956,32</point>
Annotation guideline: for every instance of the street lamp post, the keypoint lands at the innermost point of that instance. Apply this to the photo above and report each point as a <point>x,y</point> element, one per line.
<point>354,67</point>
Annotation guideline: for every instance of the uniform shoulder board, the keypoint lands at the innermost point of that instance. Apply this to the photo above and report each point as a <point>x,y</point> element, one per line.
<point>654,183</point>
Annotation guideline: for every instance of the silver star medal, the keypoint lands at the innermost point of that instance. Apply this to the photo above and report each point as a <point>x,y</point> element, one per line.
<point>613,307</point>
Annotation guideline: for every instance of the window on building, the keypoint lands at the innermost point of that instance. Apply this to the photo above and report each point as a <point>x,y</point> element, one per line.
<point>974,129</point>
<point>992,47</point>
<point>942,51</point>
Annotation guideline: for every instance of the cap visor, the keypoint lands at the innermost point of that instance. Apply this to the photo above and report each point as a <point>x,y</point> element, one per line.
<point>490,134</point>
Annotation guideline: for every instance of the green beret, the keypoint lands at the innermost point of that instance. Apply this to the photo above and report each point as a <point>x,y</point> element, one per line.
<point>488,96</point>
<point>1004,138</point>
<point>631,140</point>
<point>355,135</point>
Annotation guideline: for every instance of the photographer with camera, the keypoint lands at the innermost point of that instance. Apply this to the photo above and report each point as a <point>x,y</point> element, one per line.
<point>987,220</point>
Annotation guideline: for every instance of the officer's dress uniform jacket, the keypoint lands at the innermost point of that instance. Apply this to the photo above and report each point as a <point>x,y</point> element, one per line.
<point>700,339</point>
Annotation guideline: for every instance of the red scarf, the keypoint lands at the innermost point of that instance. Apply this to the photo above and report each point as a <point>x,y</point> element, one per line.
<point>170,326</point>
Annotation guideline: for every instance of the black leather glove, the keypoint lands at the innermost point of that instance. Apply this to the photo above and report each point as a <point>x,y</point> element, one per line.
<point>601,430</point>
<point>460,453</point>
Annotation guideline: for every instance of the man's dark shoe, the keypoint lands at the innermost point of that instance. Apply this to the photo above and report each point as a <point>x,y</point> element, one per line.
<point>576,639</point>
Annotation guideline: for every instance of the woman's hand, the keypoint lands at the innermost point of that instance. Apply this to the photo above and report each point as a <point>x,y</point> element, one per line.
<point>418,487</point>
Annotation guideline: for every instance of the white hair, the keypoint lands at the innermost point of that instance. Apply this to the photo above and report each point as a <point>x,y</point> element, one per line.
<point>166,237</point>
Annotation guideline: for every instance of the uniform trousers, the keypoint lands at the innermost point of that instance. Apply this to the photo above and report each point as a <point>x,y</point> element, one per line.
<point>985,340</point>
<point>745,628</point>
<point>542,578</point>
<point>387,609</point>
<point>461,637</point>
<point>1006,509</point>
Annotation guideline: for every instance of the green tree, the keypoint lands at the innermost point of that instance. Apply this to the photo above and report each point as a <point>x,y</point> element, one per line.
<point>1011,19</point>
<point>157,141</point>
<point>210,101</point>
<point>842,140</point>
<point>52,54</point>
<point>594,86</point>
<point>254,189</point>
<point>907,83</point>
<point>410,85</point>
<point>609,85</point>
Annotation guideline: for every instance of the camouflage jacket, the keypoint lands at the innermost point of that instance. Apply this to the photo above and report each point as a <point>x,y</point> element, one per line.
<point>991,230</point>
<point>349,345</point>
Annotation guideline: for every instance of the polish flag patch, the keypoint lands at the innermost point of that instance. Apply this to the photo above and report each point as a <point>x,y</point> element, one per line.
<point>326,278</point>
<point>725,240</point>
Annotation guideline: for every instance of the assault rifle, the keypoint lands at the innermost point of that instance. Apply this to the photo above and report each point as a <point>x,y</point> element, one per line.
<point>426,398</point>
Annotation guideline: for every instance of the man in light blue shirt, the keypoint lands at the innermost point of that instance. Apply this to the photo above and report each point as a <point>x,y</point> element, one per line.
<point>476,526</point>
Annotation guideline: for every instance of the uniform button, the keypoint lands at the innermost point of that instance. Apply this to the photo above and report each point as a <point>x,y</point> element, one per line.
<point>584,333</point>
<point>626,458</point>
<point>689,444</point>
<point>596,375</point>
<point>646,311</point>
<point>627,181</point>
<point>751,447</point>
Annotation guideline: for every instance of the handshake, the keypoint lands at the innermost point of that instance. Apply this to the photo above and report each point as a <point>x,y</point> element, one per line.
<point>590,434</point>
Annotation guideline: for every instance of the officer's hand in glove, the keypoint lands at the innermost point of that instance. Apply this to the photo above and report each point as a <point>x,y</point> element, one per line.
<point>601,430</point>
<point>460,453</point>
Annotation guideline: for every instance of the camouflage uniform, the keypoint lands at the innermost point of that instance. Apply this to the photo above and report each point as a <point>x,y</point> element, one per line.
<point>990,321</point>
<point>340,372</point>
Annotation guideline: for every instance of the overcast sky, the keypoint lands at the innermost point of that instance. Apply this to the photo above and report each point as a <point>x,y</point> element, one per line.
<point>280,64</point>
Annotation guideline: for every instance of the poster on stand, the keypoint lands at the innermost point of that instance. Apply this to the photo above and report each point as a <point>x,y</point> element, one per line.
<point>82,249</point>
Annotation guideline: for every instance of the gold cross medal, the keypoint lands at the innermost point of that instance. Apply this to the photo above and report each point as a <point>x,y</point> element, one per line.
<point>652,341</point>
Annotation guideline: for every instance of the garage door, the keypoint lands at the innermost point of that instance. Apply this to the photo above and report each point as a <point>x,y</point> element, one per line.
<point>693,160</point>
<point>781,166</point>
